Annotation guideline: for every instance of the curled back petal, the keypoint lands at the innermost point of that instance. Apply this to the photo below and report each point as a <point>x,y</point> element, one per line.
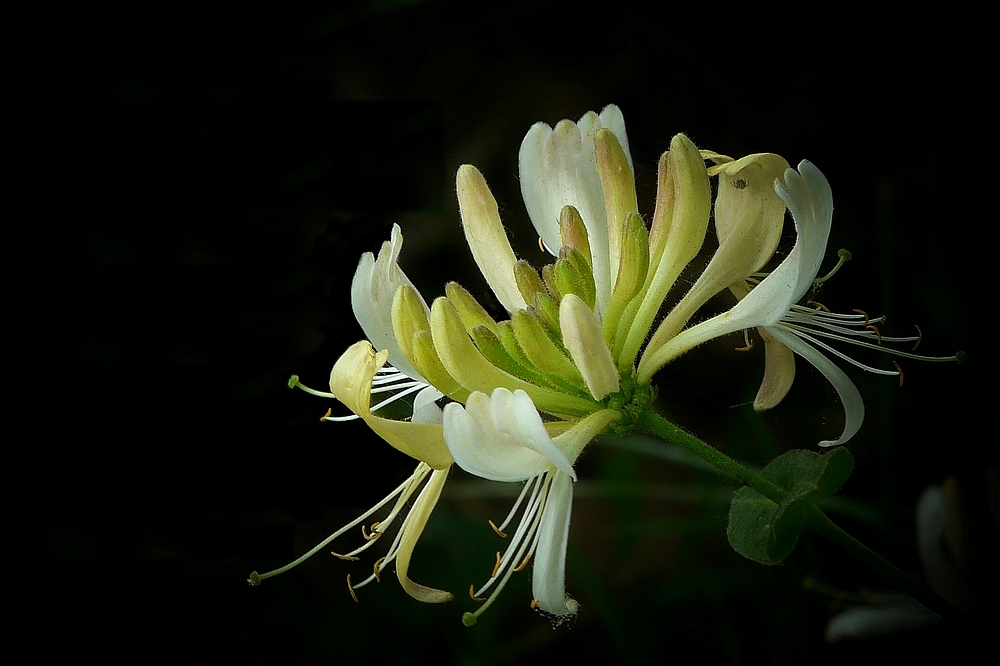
<point>351,382</point>
<point>412,529</point>
<point>850,398</point>
<point>809,198</point>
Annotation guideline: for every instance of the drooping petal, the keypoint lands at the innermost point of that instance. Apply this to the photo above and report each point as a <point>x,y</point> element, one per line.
<point>850,398</point>
<point>809,198</point>
<point>501,437</point>
<point>779,373</point>
<point>351,381</point>
<point>412,529</point>
<point>372,290</point>
<point>486,236</point>
<point>548,581</point>
<point>583,339</point>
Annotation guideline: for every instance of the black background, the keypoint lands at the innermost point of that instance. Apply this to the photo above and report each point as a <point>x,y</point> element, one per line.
<point>195,189</point>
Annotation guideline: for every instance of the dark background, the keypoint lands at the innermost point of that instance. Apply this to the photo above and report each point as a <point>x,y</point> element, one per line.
<point>198,185</point>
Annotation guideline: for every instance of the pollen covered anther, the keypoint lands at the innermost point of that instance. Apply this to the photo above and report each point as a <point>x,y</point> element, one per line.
<point>472,594</point>
<point>900,371</point>
<point>524,564</point>
<point>820,306</point>
<point>378,569</point>
<point>503,535</point>
<point>350,588</point>
<point>874,329</point>
<point>496,567</point>
<point>920,338</point>
<point>346,558</point>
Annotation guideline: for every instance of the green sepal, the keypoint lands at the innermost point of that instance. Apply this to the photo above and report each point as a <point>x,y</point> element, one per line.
<point>574,276</point>
<point>528,282</point>
<point>765,531</point>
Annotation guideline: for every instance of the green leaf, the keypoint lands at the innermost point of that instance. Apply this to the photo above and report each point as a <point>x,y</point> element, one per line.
<point>765,531</point>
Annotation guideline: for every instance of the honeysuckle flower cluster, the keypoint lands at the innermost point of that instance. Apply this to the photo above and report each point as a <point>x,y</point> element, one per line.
<point>518,399</point>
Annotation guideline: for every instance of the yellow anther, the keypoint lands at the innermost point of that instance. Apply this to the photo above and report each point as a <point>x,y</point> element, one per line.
<point>496,567</point>
<point>350,588</point>
<point>534,603</point>
<point>874,329</point>
<point>378,569</point>
<point>497,530</point>
<point>523,565</point>
<point>541,244</point>
<point>920,337</point>
<point>819,306</point>
<point>900,371</point>
<point>327,415</point>
<point>865,314</point>
<point>472,593</point>
<point>349,558</point>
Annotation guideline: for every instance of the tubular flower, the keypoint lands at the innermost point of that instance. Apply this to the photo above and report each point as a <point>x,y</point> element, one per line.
<point>361,372</point>
<point>771,304</point>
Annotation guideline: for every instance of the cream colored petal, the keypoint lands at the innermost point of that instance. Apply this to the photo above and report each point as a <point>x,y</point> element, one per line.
<point>412,529</point>
<point>351,381</point>
<point>486,236</point>
<point>779,373</point>
<point>585,342</point>
<point>810,200</point>
<point>750,227</point>
<point>372,291</point>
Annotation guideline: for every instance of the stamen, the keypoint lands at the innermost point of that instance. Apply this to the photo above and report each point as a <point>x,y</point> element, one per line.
<point>374,534</point>
<point>747,340</point>
<point>496,567</point>
<point>920,337</point>
<point>862,312</point>
<point>327,415</point>
<point>541,244</point>
<point>523,565</point>
<point>900,370</point>
<point>820,306</point>
<point>878,333</point>
<point>534,604</point>
<point>348,558</point>
<point>401,494</point>
<point>350,588</point>
<point>377,570</point>
<point>472,593</point>
<point>496,529</point>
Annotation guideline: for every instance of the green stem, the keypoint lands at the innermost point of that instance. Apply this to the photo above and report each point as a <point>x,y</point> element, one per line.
<point>819,522</point>
<point>653,424</point>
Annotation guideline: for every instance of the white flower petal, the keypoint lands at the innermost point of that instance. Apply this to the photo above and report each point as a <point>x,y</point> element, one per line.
<point>854,405</point>
<point>548,581</point>
<point>501,437</point>
<point>558,167</point>
<point>425,408</point>
<point>372,290</point>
